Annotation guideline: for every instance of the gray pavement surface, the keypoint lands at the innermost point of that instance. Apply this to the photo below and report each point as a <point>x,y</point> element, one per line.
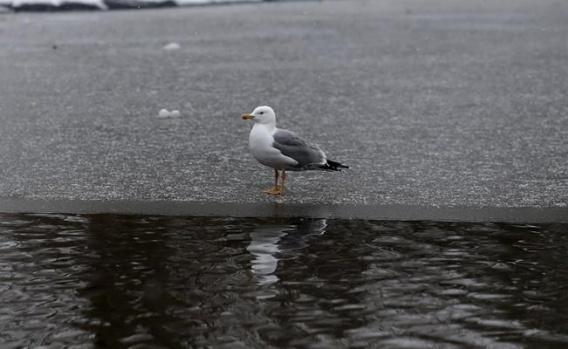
<point>433,104</point>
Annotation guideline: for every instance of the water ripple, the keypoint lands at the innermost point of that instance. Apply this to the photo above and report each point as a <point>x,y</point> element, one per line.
<point>167,282</point>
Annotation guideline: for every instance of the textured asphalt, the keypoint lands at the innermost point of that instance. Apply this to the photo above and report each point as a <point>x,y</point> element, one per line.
<point>434,104</point>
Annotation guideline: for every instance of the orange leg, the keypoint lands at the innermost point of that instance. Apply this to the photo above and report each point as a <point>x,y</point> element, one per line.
<point>283,180</point>
<point>275,190</point>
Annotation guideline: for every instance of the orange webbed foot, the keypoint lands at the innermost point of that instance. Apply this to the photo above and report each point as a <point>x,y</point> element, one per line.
<point>274,191</point>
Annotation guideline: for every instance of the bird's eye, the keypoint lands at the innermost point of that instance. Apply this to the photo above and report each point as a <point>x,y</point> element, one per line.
<point>261,113</point>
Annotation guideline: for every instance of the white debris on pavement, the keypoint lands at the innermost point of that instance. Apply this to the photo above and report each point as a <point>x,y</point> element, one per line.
<point>172,46</point>
<point>164,113</point>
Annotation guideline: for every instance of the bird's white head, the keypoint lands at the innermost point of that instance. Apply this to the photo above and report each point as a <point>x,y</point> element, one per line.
<point>262,115</point>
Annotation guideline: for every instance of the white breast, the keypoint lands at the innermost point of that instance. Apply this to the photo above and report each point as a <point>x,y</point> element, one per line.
<point>260,144</point>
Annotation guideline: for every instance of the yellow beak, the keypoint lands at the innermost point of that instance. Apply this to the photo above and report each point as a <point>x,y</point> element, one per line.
<point>247,117</point>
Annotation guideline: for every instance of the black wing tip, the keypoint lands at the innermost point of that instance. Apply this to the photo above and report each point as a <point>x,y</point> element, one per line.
<point>334,166</point>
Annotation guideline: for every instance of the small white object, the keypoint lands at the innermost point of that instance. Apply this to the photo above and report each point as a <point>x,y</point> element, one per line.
<point>164,113</point>
<point>172,46</point>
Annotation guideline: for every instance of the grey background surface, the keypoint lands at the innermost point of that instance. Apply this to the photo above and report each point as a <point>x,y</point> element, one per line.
<point>431,103</point>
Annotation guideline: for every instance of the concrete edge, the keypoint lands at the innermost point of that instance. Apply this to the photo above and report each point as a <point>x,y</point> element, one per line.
<point>185,208</point>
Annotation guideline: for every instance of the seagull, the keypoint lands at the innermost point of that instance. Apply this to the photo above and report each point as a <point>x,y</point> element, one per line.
<point>283,150</point>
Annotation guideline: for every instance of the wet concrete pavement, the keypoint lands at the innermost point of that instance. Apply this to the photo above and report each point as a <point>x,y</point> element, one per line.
<point>433,104</point>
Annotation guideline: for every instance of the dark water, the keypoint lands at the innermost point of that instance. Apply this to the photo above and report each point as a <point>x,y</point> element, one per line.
<point>104,281</point>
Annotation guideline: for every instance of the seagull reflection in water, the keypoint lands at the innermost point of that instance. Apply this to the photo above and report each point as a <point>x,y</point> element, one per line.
<point>272,243</point>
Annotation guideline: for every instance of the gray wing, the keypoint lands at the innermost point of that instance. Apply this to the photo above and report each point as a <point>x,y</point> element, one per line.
<point>292,146</point>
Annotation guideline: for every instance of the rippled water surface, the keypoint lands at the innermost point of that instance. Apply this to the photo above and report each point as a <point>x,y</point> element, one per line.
<point>109,281</point>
